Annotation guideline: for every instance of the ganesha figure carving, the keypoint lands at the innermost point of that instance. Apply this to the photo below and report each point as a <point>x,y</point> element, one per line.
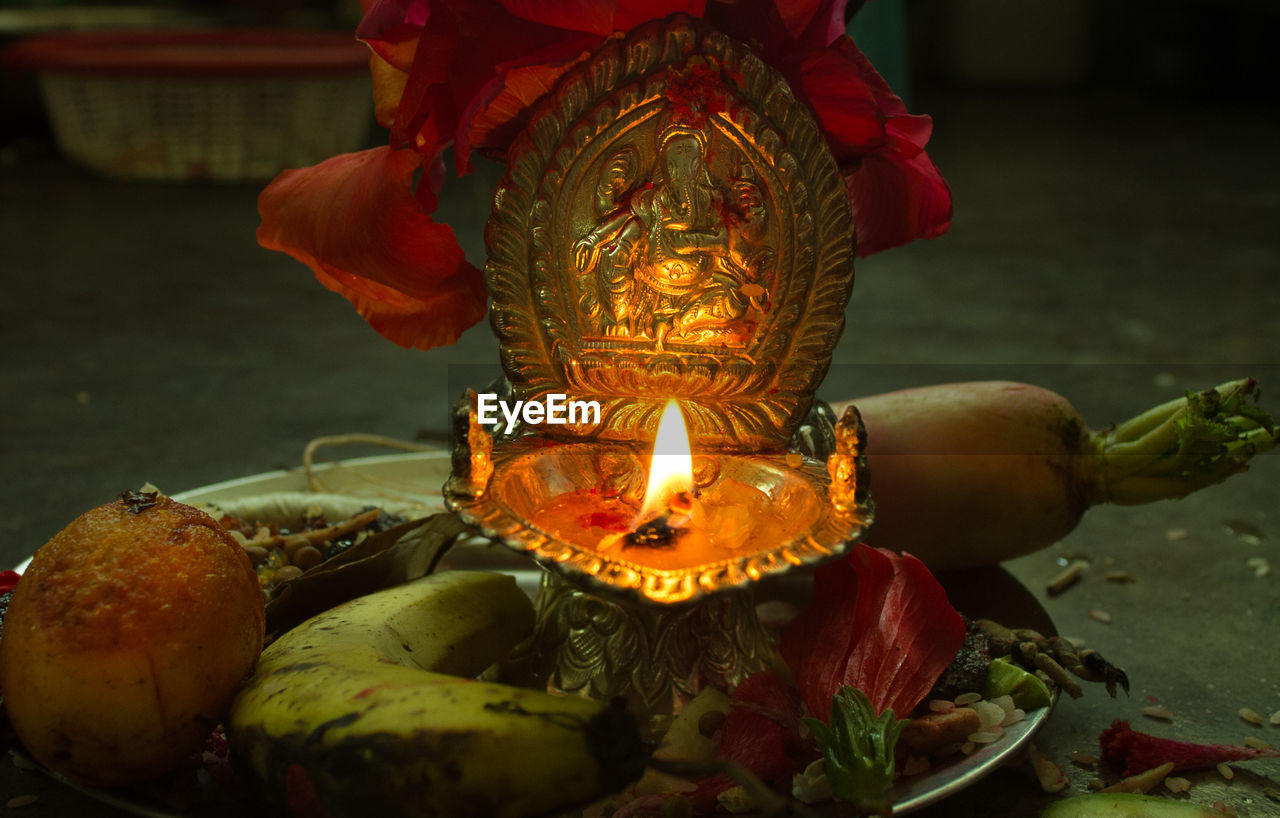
<point>675,257</point>
<point>672,225</point>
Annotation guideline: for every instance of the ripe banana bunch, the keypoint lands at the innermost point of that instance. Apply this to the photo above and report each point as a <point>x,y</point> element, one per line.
<point>367,710</point>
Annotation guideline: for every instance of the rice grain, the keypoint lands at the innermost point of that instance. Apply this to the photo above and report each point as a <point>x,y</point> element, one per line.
<point>1175,784</point>
<point>1251,716</point>
<point>1051,777</point>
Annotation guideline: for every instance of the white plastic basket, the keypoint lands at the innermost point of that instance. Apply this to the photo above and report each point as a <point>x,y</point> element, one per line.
<point>183,128</point>
<point>222,104</point>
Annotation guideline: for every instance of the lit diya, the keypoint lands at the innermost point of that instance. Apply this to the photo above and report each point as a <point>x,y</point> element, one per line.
<point>673,242</point>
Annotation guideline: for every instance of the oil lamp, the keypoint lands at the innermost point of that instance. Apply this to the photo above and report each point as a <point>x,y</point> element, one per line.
<point>672,241</point>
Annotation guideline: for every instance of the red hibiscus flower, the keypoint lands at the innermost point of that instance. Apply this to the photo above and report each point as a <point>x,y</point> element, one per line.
<point>467,73</point>
<point>878,621</point>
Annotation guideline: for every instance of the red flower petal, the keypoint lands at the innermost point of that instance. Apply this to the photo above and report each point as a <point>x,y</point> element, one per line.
<point>593,16</point>
<point>501,109</point>
<point>813,23</point>
<point>897,202</point>
<point>879,622</point>
<point>846,107</point>
<point>761,25</point>
<point>1139,752</point>
<point>354,221</point>
<point>631,13</point>
<point>762,733</point>
<point>890,103</point>
<point>391,29</point>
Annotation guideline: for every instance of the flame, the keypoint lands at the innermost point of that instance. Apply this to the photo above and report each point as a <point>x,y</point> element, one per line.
<point>671,468</point>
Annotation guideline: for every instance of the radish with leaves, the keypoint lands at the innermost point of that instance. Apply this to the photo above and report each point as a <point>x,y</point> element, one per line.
<point>975,473</point>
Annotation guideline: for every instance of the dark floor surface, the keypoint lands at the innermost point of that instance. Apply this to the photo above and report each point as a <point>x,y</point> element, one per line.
<point>1116,248</point>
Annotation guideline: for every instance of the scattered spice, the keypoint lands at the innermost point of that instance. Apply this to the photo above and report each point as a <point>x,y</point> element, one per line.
<point>1275,719</point>
<point>1260,566</point>
<point>1119,577</point>
<point>1084,759</point>
<point>1244,530</point>
<point>1174,784</point>
<point>1176,534</point>
<point>1100,616</point>
<point>137,502</point>
<point>1065,578</point>
<point>1258,744</point>
<point>19,801</point>
<point>1161,713</point>
<point>1143,782</point>
<point>1051,777</point>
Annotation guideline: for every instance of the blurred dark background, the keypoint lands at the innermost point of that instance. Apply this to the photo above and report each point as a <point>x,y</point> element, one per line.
<point>1117,191</point>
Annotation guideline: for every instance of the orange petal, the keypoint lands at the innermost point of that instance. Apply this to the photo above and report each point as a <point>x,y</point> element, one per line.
<point>354,221</point>
<point>501,109</point>
<point>437,319</point>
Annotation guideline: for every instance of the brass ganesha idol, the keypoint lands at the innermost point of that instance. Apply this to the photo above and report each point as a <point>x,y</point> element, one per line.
<point>672,226</point>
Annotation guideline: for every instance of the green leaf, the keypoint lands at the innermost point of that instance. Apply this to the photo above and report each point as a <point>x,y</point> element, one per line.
<point>858,750</point>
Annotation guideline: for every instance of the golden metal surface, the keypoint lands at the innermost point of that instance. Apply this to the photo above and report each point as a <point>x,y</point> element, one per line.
<point>786,518</point>
<point>847,466</point>
<point>657,657</point>
<point>672,225</point>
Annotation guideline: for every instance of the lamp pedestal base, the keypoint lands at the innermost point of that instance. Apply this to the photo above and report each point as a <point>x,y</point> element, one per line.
<point>657,657</point>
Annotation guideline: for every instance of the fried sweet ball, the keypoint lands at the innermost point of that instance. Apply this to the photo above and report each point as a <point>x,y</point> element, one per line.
<point>127,638</point>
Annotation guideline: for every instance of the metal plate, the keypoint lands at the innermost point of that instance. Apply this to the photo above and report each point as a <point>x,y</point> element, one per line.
<point>415,480</point>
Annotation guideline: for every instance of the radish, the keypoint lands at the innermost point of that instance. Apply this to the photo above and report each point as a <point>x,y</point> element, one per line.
<point>975,473</point>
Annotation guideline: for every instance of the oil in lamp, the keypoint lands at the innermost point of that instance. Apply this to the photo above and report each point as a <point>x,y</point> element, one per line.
<point>672,241</point>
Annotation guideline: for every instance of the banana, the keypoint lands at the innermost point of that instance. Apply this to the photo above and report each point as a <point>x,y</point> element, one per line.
<point>366,710</point>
